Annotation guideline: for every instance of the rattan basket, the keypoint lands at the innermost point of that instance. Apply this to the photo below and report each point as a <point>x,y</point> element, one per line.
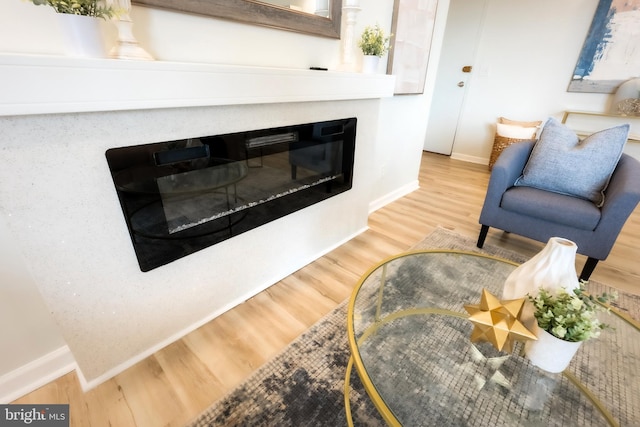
<point>499,144</point>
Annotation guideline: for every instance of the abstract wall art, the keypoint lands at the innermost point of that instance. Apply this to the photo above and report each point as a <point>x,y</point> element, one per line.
<point>611,52</point>
<point>412,31</point>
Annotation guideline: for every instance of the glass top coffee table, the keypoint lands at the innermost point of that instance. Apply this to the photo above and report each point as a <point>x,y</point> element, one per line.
<point>409,340</point>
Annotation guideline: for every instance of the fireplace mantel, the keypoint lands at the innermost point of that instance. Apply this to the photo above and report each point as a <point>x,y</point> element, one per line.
<point>64,218</point>
<point>54,85</point>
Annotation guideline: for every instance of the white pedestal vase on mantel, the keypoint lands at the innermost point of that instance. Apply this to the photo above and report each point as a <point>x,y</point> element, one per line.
<point>550,353</point>
<point>127,46</point>
<point>82,35</point>
<point>552,268</point>
<point>370,64</point>
<point>350,10</point>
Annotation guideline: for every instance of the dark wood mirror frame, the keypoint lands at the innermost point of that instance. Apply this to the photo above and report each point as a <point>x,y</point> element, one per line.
<point>258,13</point>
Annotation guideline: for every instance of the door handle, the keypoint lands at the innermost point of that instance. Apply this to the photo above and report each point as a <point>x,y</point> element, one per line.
<point>460,84</point>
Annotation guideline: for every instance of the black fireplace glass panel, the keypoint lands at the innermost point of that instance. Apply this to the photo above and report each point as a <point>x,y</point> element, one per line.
<point>179,197</point>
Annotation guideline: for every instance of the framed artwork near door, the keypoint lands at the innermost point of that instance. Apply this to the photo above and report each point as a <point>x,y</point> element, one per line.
<point>412,31</point>
<point>611,51</point>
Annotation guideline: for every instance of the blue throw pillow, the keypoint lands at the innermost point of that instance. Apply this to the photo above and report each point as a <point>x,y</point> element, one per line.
<point>562,163</point>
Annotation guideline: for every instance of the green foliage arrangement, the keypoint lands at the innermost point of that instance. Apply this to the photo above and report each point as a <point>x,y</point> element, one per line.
<point>95,8</point>
<point>373,41</point>
<point>570,317</point>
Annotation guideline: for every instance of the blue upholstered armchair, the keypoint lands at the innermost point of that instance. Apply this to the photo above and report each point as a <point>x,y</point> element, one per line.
<point>539,214</point>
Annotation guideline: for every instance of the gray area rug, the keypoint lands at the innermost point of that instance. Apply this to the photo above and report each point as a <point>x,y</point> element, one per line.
<point>304,385</point>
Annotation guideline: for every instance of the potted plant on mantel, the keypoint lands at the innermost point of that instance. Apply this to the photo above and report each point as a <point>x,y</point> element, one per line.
<point>80,23</point>
<point>373,44</point>
<point>565,320</point>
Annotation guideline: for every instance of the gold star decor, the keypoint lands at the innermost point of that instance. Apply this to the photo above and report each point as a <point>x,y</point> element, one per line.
<point>498,322</point>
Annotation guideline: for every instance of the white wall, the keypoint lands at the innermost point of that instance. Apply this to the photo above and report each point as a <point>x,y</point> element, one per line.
<point>28,333</point>
<point>528,50</point>
<point>85,306</point>
<point>404,119</point>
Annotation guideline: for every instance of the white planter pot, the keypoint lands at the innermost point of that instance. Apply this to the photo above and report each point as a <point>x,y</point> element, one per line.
<point>370,64</point>
<point>82,35</point>
<point>552,268</point>
<point>550,353</point>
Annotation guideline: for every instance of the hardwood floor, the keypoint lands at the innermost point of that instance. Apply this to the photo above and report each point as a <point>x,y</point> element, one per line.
<point>177,383</point>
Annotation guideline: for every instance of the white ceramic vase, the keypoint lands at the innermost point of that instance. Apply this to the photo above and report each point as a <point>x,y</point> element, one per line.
<point>370,64</point>
<point>552,268</point>
<point>550,353</point>
<point>82,35</point>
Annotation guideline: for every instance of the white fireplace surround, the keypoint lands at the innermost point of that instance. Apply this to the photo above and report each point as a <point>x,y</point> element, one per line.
<point>57,118</point>
<point>50,85</point>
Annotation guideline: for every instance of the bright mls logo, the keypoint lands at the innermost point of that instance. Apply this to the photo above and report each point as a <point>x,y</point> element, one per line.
<point>34,415</point>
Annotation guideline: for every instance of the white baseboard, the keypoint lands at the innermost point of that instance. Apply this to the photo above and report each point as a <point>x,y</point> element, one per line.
<point>394,195</point>
<point>34,375</point>
<point>87,385</point>
<point>470,159</point>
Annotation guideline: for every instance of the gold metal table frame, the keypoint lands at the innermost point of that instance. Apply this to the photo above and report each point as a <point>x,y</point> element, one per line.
<point>381,319</point>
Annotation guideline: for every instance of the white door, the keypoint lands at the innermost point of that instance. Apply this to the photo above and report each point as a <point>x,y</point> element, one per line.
<point>464,21</point>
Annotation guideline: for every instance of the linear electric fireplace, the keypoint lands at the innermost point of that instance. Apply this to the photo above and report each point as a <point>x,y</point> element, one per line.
<point>179,197</point>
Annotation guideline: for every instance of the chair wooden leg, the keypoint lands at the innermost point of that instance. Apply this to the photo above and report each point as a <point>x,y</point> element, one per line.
<point>588,268</point>
<point>483,235</point>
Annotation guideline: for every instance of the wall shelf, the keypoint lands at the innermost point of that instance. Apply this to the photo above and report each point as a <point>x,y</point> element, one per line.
<point>52,85</point>
<point>585,123</point>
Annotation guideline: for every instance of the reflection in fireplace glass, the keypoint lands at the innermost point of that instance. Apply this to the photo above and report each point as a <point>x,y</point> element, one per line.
<point>179,197</point>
